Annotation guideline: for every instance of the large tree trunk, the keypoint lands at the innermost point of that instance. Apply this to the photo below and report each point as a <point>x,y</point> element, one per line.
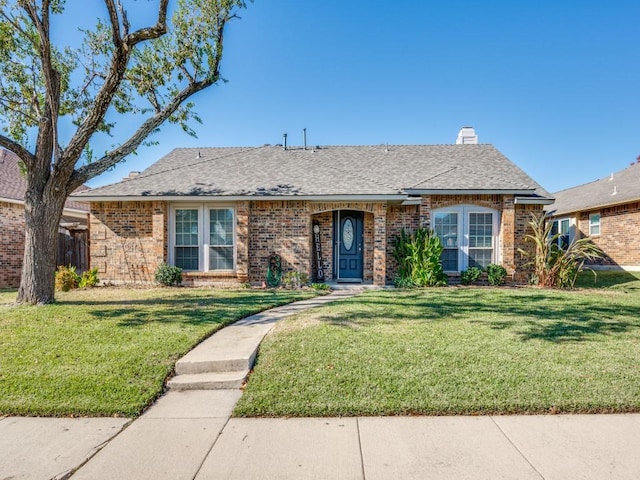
<point>37,285</point>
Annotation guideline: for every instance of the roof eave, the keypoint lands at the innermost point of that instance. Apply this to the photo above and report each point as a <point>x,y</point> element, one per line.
<point>533,200</point>
<point>236,198</point>
<point>468,191</point>
<point>11,200</point>
<point>596,206</point>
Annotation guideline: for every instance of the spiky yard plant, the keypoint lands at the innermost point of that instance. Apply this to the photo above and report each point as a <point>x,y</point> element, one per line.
<point>554,266</point>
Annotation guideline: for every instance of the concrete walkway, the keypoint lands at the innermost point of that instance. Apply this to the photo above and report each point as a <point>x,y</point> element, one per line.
<point>188,434</point>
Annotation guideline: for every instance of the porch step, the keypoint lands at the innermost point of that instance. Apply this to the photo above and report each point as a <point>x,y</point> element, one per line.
<point>208,381</point>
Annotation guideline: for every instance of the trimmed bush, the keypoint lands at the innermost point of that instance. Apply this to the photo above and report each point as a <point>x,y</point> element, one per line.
<point>89,278</point>
<point>496,275</point>
<point>470,275</point>
<point>168,276</point>
<point>66,278</point>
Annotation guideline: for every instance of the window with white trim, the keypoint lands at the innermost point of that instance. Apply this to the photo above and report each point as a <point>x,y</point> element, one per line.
<point>469,235</point>
<point>562,231</point>
<point>202,237</point>
<point>594,224</point>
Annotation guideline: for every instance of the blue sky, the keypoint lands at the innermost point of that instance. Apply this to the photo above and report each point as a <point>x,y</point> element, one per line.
<point>554,85</point>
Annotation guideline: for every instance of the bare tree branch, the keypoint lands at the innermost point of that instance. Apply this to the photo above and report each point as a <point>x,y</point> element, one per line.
<point>101,165</point>
<point>25,155</point>
<point>113,79</point>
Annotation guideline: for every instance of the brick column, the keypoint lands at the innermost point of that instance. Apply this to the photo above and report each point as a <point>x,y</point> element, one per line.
<point>379,244</point>
<point>242,237</point>
<point>425,211</point>
<point>507,234</point>
<point>159,222</point>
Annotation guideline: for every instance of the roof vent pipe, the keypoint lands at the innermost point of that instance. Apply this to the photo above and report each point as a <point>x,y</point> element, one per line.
<point>284,143</point>
<point>304,138</point>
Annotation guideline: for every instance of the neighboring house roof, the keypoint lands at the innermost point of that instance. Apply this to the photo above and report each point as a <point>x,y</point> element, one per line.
<point>620,187</point>
<point>13,184</point>
<point>393,171</point>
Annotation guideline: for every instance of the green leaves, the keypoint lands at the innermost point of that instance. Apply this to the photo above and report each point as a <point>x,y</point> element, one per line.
<point>418,257</point>
<point>146,74</point>
<point>554,266</point>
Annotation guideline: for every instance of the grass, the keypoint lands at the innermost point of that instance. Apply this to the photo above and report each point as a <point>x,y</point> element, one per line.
<point>453,351</point>
<point>108,351</point>
<point>616,279</point>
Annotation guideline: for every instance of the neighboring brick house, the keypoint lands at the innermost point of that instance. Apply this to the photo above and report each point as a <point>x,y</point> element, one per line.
<point>220,212</point>
<point>12,188</point>
<point>608,211</point>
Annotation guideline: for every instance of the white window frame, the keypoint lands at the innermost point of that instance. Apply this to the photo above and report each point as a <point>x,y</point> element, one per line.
<point>463,212</point>
<point>570,232</point>
<point>203,233</point>
<point>593,224</point>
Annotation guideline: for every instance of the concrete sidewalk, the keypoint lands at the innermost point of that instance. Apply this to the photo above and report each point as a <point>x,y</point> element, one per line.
<point>189,435</point>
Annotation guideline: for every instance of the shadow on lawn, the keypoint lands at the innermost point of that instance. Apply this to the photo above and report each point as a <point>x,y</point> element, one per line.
<point>546,315</point>
<point>188,309</point>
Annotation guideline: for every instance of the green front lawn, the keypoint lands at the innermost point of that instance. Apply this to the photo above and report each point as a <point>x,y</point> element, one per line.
<point>453,351</point>
<point>108,351</point>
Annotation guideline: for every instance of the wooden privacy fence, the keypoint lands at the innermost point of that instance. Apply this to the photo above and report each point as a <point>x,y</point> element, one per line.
<point>73,249</point>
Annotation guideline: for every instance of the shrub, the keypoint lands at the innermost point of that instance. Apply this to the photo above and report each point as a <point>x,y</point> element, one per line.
<point>322,287</point>
<point>66,278</point>
<point>418,257</point>
<point>295,280</point>
<point>496,275</point>
<point>554,266</point>
<point>89,278</point>
<point>470,275</point>
<point>167,275</point>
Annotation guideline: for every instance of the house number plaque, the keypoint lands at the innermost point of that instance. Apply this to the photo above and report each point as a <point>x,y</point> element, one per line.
<point>318,252</point>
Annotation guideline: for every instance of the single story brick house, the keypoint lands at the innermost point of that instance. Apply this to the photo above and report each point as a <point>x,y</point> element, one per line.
<point>607,211</point>
<point>219,213</point>
<point>72,231</point>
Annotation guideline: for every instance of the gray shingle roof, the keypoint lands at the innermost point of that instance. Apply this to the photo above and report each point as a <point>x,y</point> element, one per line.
<point>593,195</point>
<point>331,170</point>
<point>13,185</point>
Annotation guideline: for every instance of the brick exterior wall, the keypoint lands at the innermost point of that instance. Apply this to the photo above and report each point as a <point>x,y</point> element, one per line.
<point>129,239</point>
<point>11,243</point>
<point>282,227</point>
<point>523,216</point>
<point>619,235</point>
<point>398,217</point>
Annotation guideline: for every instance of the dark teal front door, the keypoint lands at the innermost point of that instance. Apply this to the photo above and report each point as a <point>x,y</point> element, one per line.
<point>349,240</point>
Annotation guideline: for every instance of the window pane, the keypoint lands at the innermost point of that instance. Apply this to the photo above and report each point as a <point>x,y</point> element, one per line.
<point>594,224</point>
<point>187,227</point>
<point>480,230</point>
<point>221,258</point>
<point>187,258</point>
<point>480,257</point>
<point>221,226</point>
<point>446,227</point>
<point>450,260</point>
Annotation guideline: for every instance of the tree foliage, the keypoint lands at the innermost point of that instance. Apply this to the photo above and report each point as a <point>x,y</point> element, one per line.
<point>56,100</point>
